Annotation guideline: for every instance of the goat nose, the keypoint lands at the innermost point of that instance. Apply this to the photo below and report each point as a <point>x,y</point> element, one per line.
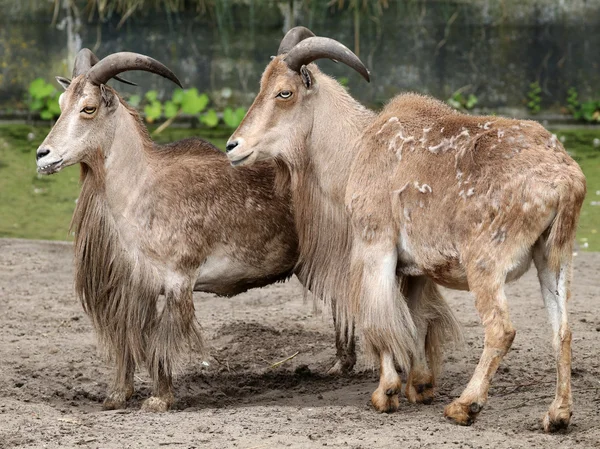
<point>231,145</point>
<point>41,153</point>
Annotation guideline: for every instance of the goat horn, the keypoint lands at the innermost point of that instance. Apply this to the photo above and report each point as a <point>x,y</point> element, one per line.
<point>292,37</point>
<point>85,60</point>
<point>117,63</point>
<point>314,48</point>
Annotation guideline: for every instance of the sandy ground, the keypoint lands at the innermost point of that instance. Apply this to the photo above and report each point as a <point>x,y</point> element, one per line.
<point>52,382</point>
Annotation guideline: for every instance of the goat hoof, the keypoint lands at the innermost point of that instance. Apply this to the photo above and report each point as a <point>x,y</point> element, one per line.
<point>385,401</point>
<point>555,421</point>
<point>156,405</point>
<point>342,366</point>
<point>420,394</point>
<point>336,369</point>
<point>111,403</point>
<point>117,400</point>
<point>462,414</point>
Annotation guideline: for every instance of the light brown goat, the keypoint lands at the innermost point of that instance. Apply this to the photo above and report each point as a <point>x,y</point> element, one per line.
<point>466,201</point>
<point>324,231</point>
<point>154,220</point>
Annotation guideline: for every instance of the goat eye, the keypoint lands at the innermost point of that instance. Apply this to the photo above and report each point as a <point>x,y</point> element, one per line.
<point>284,94</point>
<point>89,110</point>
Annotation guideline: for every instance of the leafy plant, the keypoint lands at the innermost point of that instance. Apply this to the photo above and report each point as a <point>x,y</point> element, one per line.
<point>43,98</point>
<point>188,102</point>
<point>534,98</point>
<point>134,100</point>
<point>233,118</point>
<point>573,101</point>
<point>588,111</point>
<point>192,103</point>
<point>210,119</point>
<point>462,102</point>
<point>152,110</point>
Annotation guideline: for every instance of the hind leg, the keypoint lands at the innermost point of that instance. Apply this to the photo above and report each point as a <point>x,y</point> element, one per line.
<point>420,382</point>
<point>122,388</point>
<point>499,335</point>
<point>555,285</point>
<point>345,344</point>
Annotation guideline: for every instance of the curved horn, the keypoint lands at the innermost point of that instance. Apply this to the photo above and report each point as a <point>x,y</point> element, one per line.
<point>292,37</point>
<point>85,60</point>
<point>117,63</point>
<point>314,48</point>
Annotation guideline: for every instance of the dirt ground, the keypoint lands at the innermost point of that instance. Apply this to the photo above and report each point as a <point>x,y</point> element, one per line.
<point>52,382</point>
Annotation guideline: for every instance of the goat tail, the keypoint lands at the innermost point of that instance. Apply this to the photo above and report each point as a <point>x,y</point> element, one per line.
<point>443,328</point>
<point>559,245</point>
<point>384,315</point>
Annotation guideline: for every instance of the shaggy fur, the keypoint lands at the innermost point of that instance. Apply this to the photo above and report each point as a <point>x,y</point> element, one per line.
<point>161,220</point>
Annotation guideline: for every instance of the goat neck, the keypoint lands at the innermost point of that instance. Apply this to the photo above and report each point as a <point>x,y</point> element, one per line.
<point>126,162</point>
<point>338,122</point>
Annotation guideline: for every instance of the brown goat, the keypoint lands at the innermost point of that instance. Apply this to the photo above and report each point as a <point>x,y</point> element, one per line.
<point>154,220</point>
<point>465,201</point>
<point>324,231</point>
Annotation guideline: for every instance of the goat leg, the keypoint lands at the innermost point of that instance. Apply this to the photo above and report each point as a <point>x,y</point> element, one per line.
<point>345,344</point>
<point>122,388</point>
<point>499,335</point>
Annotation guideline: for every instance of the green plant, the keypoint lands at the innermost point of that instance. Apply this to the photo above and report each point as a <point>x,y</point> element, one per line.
<point>210,119</point>
<point>573,101</point>
<point>588,111</point>
<point>188,102</point>
<point>462,103</point>
<point>43,98</point>
<point>153,108</point>
<point>233,118</point>
<point>534,98</point>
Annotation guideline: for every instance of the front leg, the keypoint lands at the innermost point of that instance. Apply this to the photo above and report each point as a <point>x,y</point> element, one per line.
<point>162,393</point>
<point>175,330</point>
<point>388,328</point>
<point>345,343</point>
<point>122,388</point>
<point>385,398</point>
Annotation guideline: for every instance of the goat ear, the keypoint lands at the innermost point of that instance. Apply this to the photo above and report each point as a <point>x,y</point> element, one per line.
<point>64,82</point>
<point>306,77</point>
<point>107,95</point>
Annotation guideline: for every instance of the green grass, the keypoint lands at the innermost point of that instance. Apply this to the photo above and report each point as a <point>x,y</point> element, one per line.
<point>40,207</point>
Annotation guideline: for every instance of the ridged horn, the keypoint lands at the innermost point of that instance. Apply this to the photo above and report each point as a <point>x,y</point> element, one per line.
<point>292,38</point>
<point>85,60</point>
<point>120,62</point>
<point>314,48</point>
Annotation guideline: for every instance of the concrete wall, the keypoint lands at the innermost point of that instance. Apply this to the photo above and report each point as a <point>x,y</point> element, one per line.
<point>496,48</point>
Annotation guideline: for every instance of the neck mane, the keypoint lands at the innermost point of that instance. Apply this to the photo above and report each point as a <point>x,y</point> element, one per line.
<point>116,291</point>
<point>318,176</point>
